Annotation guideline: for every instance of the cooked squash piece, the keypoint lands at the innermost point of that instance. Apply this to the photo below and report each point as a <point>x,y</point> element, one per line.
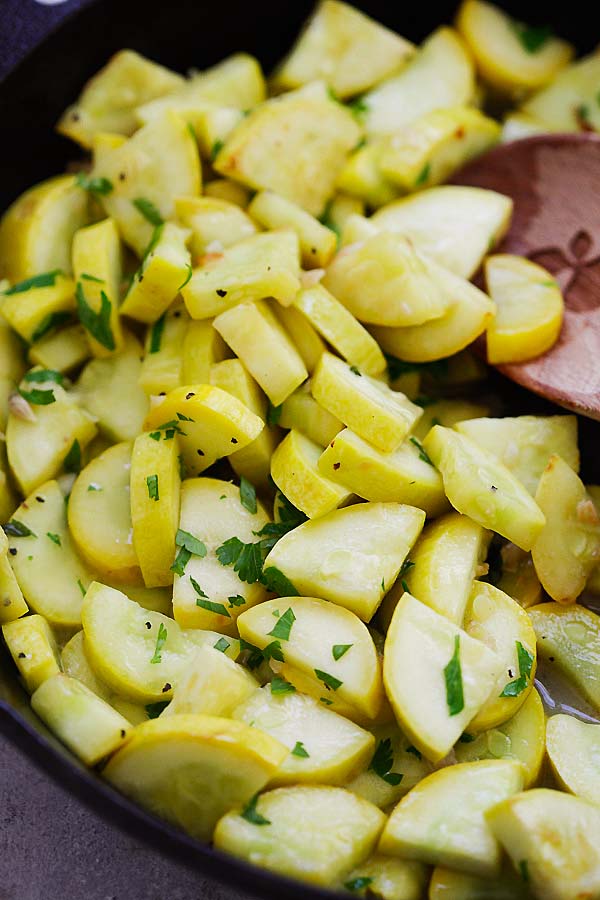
<point>389,878</point>
<point>310,832</point>
<point>12,602</point>
<point>202,348</point>
<point>305,337</point>
<point>147,172</point>
<point>384,281</point>
<point>294,145</point>
<point>440,412</point>
<point>191,769</point>
<point>212,685</point>
<point>162,365</point>
<point>212,513</point>
<point>262,265</point>
<point>518,578</point>
<point>403,476</point>
<point>354,677</point>
<point>317,242</point>
<point>32,645</point>
<point>98,271</point>
<point>256,336</point>
<point>108,100</point>
<point>302,412</point>
<point>442,820</point>
<point>455,226</point>
<point>481,487</point>
<point>228,190</point>
<point>362,178</point>
<point>524,444</point>
<point>568,548</point>
<point>212,126</point>
<point>447,884</point>
<point>48,570</point>
<point>570,99</point>
<point>75,663</point>
<point>31,312</point>
<point>344,47</point>
<point>350,555</point>
<point>213,222</point>
<point>455,673</point>
<point>165,268</point>
<point>62,350</point>
<point>574,753</point>
<point>550,837</point>
<point>295,471</point>
<point>529,309</point>
<point>512,58</point>
<point>440,75</point>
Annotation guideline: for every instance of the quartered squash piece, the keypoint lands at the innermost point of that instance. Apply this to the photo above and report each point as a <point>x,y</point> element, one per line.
<point>394,768</point>
<point>296,470</point>
<point>191,769</point>
<point>404,476</point>
<point>455,674</point>
<point>42,431</point>
<point>108,100</point>
<point>12,603</point>
<point>33,311</point>
<point>499,622</point>
<point>37,230</point>
<point>550,837</point>
<point>388,877</point>
<point>522,738</point>
<point>518,577</point>
<point>109,390</point>
<point>236,81</point>
<point>440,75</point>
<point>99,514</point>
<point>480,486</point>
<point>385,281</point>
<point>367,406</point>
<point>226,189</point>
<point>309,832</point>
<point>262,265</point>
<point>362,178</point>
<point>354,677</point>
<point>50,573</point>
<point>209,423</point>
<point>212,126</point>
<point>524,444</point>
<point>88,725</point>
<point>212,513</point>
<point>468,314</point>
<point>529,309</point>
<point>570,99</point>
<point>294,145</point>
<point>511,57</point>
<point>97,269</point>
<point>567,550</point>
<point>212,684</point>
<point>569,637</point>
<point>442,820</point>
<point>429,150</point>
<point>214,222</point>
<point>444,562</point>
<point>305,337</point>
<point>64,350</point>
<point>302,412</point>
<point>202,348</point>
<point>165,269</point>
<point>325,748</point>
<point>574,753</point>
<point>162,365</point>
<point>75,663</point>
<point>32,645</point>
<point>340,329</point>
<point>447,884</point>
<point>154,488</point>
<point>349,556</point>
<point>317,242</point>
<point>344,47</point>
<point>147,172</point>
<point>455,226</point>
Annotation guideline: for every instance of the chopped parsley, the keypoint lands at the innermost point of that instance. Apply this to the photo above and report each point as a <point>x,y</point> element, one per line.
<point>152,485</point>
<point>246,559</point>
<point>330,681</point>
<point>86,277</point>
<point>280,686</point>
<point>97,324</point>
<point>274,413</point>
<point>238,600</point>
<point>156,333</point>
<point>273,651</point>
<point>338,650</point>
<point>17,529</point>
<point>52,320</point>
<point>160,643</point>
<point>382,762</point>
<point>414,752</point>
<point>356,371</point>
<point>100,185</point>
<point>524,869</point>
<point>216,149</point>
<point>188,276</point>
<point>453,678</point>
<point>203,601</point>
<point>532,38</point>
<point>81,587</point>
<point>148,210</point>
<point>72,462</point>
<point>45,279</point>
<point>438,369</point>
<point>154,709</point>
<point>41,375</point>
<point>188,546</point>
<point>55,538</point>
<point>283,625</point>
<point>251,814</point>
<point>516,687</point>
<point>38,397</point>
<point>466,738</point>
<point>300,750</point>
<point>423,175</point>
<point>222,645</point>
<point>422,452</point>
<point>358,884</point>
<point>170,429</point>
<point>359,107</point>
<point>247,495</point>
<point>277,582</point>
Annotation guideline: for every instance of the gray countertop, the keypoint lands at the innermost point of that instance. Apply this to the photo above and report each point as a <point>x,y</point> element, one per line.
<point>53,848</point>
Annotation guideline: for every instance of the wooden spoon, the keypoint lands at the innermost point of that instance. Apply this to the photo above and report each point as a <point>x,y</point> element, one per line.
<point>554,181</point>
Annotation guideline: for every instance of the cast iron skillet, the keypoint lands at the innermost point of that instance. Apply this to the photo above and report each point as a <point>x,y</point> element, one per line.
<point>49,48</point>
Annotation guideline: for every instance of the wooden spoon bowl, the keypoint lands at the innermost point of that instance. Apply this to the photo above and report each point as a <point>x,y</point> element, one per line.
<point>554,181</point>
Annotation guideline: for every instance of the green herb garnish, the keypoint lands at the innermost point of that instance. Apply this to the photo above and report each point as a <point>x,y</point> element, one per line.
<point>204,603</point>
<point>516,687</point>
<point>330,681</point>
<point>72,461</point>
<point>250,813</point>
<point>100,185</point>
<point>532,38</point>
<point>382,762</point>
<point>247,495</point>
<point>453,678</point>
<point>422,452</point>
<point>238,600</point>
<point>156,333</point>
<point>96,323</point>
<point>338,650</point>
<point>189,273</point>
<point>38,397</point>
<point>45,279</point>
<point>300,750</point>
<point>152,485</point>
<point>188,546</point>
<point>283,625</point>
<point>358,884</point>
<point>281,686</point>
<point>52,320</point>
<point>154,709</point>
<point>274,413</point>
<point>222,645</point>
<point>17,529</point>
<point>160,643</point>
<point>148,210</point>
<point>55,538</point>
